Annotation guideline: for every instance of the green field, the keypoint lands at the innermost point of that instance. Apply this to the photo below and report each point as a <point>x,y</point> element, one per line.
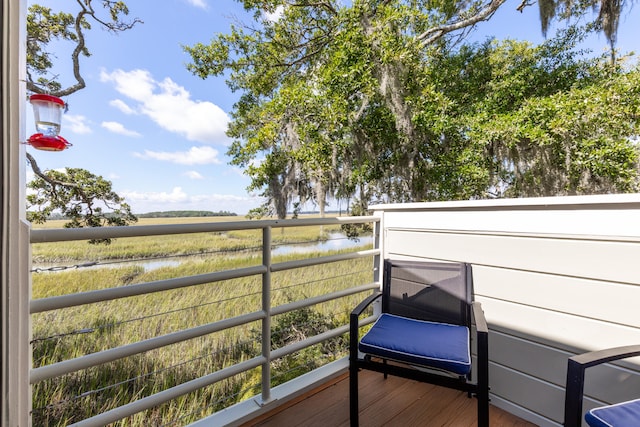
<point>68,333</point>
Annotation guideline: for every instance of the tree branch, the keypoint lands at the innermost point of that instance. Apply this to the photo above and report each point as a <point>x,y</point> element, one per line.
<point>75,56</point>
<point>53,182</point>
<point>323,4</point>
<point>117,25</point>
<point>86,9</point>
<point>525,3</point>
<point>435,33</point>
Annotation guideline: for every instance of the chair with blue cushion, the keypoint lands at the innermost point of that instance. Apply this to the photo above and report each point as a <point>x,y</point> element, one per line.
<point>621,414</point>
<point>424,331</point>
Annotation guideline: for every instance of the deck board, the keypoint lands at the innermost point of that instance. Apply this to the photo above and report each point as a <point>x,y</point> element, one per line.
<point>391,402</point>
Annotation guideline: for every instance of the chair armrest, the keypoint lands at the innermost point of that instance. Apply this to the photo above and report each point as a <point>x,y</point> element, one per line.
<point>478,316</point>
<point>354,324</point>
<point>598,357</point>
<point>482,348</point>
<point>576,367</point>
<point>365,303</point>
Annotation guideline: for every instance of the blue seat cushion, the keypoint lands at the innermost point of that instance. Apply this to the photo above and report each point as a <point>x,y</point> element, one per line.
<point>620,414</point>
<point>418,342</point>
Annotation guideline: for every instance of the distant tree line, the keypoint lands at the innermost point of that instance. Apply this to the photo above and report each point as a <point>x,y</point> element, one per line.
<point>185,214</point>
<point>166,214</point>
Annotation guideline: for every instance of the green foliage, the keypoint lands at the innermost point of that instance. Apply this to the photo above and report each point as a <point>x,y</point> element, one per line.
<point>554,138</point>
<point>85,199</point>
<point>377,102</point>
<point>44,26</point>
<point>298,325</point>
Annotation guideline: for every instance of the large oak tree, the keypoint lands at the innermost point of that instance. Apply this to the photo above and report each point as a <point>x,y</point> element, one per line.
<point>381,100</point>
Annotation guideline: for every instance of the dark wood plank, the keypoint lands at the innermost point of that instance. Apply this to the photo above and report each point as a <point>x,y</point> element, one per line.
<point>391,402</point>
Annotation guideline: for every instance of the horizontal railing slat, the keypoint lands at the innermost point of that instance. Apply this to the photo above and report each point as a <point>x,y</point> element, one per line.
<point>169,394</point>
<point>308,262</point>
<point>296,305</point>
<point>94,359</point>
<point>44,235</point>
<point>71,300</point>
<point>317,339</point>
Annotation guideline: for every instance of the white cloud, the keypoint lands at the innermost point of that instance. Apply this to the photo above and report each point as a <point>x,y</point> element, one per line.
<point>76,124</point>
<point>195,156</point>
<point>170,106</point>
<point>142,202</point>
<point>202,4</point>
<point>176,196</point>
<point>193,175</point>
<point>122,106</point>
<point>137,84</point>
<point>275,16</point>
<point>118,128</point>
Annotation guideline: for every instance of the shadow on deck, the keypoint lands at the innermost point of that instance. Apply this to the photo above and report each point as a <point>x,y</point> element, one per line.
<point>391,402</point>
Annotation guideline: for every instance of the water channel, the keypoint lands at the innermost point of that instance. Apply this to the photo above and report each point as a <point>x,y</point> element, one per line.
<point>335,241</point>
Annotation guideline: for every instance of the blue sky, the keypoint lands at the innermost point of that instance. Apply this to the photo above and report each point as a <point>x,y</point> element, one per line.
<point>158,132</point>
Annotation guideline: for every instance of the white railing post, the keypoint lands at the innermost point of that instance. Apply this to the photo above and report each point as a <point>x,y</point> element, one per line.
<point>378,260</point>
<point>266,308</point>
<point>15,401</point>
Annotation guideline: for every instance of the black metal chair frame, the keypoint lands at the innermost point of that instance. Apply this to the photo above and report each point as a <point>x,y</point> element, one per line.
<point>576,367</point>
<point>480,388</point>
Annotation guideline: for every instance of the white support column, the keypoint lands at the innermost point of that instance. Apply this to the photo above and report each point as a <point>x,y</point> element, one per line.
<point>14,234</point>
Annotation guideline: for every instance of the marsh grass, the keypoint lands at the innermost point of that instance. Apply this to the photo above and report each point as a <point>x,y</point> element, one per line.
<point>171,245</point>
<point>72,332</point>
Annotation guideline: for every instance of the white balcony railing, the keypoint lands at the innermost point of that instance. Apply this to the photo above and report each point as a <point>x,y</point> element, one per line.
<point>257,315</point>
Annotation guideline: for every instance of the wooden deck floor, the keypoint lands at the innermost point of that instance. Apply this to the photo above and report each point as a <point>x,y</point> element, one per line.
<point>391,402</point>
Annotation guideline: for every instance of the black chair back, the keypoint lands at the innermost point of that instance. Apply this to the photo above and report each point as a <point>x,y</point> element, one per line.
<point>436,292</point>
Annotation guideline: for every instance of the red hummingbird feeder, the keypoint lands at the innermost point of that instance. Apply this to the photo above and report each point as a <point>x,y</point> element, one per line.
<point>47,111</point>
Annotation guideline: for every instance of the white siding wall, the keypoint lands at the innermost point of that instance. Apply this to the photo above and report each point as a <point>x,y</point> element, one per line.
<point>556,277</point>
